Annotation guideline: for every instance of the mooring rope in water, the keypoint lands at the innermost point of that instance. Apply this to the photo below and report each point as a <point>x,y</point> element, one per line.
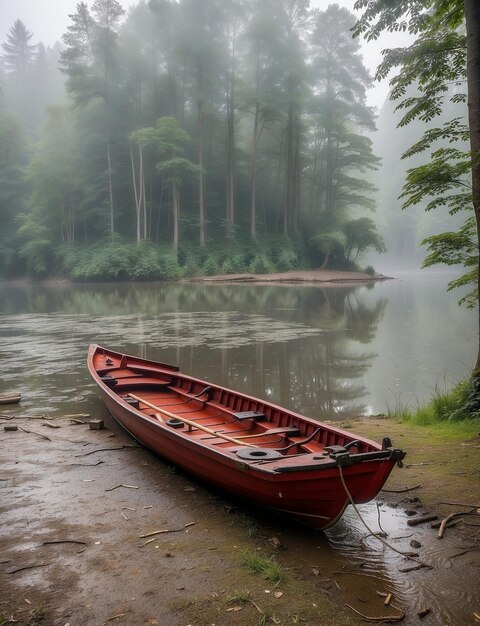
<point>374,534</point>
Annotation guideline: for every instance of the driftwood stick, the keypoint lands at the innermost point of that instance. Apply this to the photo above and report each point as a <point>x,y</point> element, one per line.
<point>429,517</point>
<point>32,432</point>
<point>415,567</point>
<point>54,541</point>
<point>447,519</point>
<point>127,447</point>
<point>438,523</point>
<point>161,532</point>
<point>403,490</point>
<point>122,485</point>
<point>467,504</point>
<point>384,618</point>
<point>24,567</point>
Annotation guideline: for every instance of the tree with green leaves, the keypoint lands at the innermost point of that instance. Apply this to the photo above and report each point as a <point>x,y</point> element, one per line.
<point>13,188</point>
<point>340,152</point>
<point>170,142</point>
<point>90,62</point>
<point>446,51</point>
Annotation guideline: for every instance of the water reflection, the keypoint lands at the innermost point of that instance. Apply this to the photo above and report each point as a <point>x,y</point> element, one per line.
<point>326,352</point>
<point>291,345</point>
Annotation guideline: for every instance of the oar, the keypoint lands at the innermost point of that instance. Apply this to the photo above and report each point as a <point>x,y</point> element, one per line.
<point>190,422</point>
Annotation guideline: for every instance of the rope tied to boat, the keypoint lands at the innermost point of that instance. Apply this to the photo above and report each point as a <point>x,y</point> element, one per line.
<point>408,555</point>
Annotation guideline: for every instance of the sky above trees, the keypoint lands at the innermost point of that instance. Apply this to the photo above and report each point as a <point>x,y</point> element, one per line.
<point>48,22</point>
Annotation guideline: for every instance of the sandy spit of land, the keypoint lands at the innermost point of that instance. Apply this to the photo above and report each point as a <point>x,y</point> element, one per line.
<point>297,276</point>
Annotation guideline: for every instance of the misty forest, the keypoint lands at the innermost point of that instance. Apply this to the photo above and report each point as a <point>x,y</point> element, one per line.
<point>200,137</point>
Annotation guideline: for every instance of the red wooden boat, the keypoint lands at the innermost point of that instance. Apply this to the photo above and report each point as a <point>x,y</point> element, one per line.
<point>263,453</point>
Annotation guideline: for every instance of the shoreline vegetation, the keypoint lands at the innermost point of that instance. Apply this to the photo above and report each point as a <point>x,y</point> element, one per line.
<point>307,276</point>
<point>296,276</point>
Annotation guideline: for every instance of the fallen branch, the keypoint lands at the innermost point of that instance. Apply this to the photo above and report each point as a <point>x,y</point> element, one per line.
<point>32,432</point>
<point>385,618</point>
<point>51,425</point>
<point>469,505</point>
<point>429,517</point>
<point>122,485</point>
<point>115,617</point>
<point>54,541</point>
<point>161,532</point>
<point>414,568</point>
<point>24,567</point>
<point>126,447</point>
<point>403,490</point>
<point>447,519</point>
<point>450,524</point>
<point>87,464</point>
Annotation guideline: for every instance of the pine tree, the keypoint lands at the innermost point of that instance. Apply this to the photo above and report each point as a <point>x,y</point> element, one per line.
<point>19,54</point>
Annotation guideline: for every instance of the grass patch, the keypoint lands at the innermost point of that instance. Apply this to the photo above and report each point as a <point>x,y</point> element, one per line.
<point>269,567</point>
<point>238,596</point>
<point>453,405</point>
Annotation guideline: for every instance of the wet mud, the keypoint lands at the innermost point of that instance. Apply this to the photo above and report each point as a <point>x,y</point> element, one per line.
<point>74,508</point>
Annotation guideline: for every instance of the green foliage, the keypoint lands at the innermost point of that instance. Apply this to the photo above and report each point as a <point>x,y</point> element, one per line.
<point>430,85</point>
<point>457,404</point>
<point>457,248</point>
<point>119,261</point>
<point>267,566</point>
<point>211,267</point>
<point>234,264</point>
<point>361,234</point>
<point>174,105</point>
<point>370,270</point>
<point>261,265</point>
<point>328,245</point>
<point>287,260</point>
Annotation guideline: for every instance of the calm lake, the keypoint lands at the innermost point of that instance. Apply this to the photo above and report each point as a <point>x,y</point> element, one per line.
<point>329,352</point>
<point>323,351</point>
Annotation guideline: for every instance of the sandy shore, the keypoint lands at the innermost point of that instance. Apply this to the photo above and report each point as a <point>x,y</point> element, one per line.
<point>297,276</point>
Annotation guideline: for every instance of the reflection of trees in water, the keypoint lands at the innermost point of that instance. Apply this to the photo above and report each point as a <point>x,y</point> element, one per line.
<point>318,374</point>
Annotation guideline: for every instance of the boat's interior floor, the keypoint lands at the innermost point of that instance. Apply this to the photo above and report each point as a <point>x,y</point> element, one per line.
<point>220,418</point>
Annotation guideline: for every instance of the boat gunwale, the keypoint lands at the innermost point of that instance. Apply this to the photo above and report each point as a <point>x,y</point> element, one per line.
<point>262,466</point>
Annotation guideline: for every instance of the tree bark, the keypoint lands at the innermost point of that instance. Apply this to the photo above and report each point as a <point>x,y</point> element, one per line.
<point>253,203</point>
<point>472,20</point>
<point>110,191</point>
<point>201,158</point>
<point>176,214</point>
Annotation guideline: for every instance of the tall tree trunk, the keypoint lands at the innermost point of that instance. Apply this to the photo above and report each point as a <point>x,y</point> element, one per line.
<point>201,158</point>
<point>110,190</point>
<point>230,158</point>
<point>230,149</point>
<point>176,213</point>
<point>472,19</point>
<point>253,203</point>
<point>137,193</point>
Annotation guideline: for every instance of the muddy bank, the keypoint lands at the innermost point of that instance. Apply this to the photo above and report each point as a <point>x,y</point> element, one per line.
<point>75,503</point>
<point>298,276</point>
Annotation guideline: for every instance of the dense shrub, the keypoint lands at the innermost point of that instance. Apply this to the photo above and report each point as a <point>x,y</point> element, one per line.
<point>119,261</point>
<point>211,267</point>
<point>234,264</point>
<point>287,260</point>
<point>261,265</point>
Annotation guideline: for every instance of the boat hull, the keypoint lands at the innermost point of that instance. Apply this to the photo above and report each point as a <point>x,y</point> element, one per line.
<point>309,492</point>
